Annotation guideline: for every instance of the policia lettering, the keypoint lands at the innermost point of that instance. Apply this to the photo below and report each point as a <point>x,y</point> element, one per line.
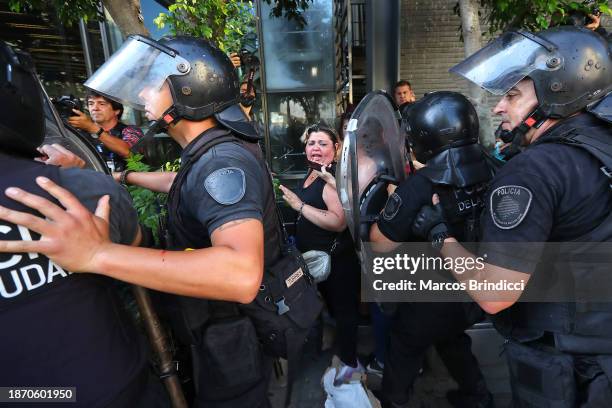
<point>509,205</point>
<point>20,275</point>
<point>556,89</point>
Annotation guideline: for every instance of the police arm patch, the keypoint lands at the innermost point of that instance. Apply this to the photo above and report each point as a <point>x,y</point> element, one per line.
<point>392,207</point>
<point>226,186</point>
<point>509,205</point>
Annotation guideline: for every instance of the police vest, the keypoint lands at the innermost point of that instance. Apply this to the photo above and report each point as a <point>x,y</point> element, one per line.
<point>185,314</point>
<point>583,326</point>
<point>24,275</point>
<point>460,177</point>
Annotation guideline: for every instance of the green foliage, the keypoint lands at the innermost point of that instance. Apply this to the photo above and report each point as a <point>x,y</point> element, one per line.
<point>536,15</point>
<point>149,205</point>
<point>69,12</point>
<point>224,22</point>
<point>277,191</point>
<point>290,9</point>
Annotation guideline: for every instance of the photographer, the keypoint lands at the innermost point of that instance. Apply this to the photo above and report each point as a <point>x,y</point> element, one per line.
<point>114,137</point>
<point>247,98</point>
<point>248,94</point>
<point>590,18</point>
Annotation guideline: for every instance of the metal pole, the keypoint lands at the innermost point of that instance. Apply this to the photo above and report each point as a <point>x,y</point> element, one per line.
<point>349,33</point>
<point>105,43</point>
<point>264,90</point>
<point>86,43</point>
<point>104,33</point>
<point>160,345</point>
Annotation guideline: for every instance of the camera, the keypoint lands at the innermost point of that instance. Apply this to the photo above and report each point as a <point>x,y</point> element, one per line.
<point>65,104</point>
<point>248,59</point>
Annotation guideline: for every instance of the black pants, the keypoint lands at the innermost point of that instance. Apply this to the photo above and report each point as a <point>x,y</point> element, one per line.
<point>341,293</point>
<point>543,376</point>
<point>416,327</point>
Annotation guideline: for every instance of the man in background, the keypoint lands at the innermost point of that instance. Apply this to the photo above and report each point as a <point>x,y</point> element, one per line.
<point>402,93</point>
<point>113,138</point>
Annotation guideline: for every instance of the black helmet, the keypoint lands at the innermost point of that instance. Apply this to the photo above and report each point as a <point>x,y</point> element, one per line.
<point>438,122</point>
<point>211,85</point>
<point>22,124</point>
<point>585,74</point>
<point>571,67</point>
<point>202,79</point>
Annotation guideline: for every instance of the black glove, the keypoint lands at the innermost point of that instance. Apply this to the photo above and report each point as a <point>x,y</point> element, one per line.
<point>430,222</point>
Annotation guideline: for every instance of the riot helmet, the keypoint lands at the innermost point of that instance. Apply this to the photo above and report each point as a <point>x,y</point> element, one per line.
<point>571,68</point>
<point>201,78</point>
<point>440,121</point>
<point>22,125</point>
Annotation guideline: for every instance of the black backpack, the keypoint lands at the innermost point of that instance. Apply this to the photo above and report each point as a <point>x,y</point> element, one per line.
<point>287,304</point>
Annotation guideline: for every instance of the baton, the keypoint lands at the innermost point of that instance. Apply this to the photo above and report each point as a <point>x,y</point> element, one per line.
<point>160,345</point>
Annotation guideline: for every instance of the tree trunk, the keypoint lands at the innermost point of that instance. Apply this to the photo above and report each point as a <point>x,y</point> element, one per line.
<point>127,16</point>
<point>470,25</point>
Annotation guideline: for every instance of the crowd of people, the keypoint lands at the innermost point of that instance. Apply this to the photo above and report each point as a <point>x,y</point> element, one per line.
<point>235,291</point>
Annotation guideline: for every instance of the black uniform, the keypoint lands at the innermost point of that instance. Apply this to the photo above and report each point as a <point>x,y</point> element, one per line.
<point>229,182</point>
<point>61,329</point>
<point>417,326</point>
<point>554,192</point>
<point>341,289</point>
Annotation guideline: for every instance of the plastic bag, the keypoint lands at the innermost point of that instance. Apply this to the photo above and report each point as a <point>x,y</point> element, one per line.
<point>319,264</point>
<point>349,395</point>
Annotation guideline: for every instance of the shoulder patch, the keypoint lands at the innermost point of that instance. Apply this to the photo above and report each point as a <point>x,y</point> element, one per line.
<point>394,202</point>
<point>509,205</point>
<point>226,186</point>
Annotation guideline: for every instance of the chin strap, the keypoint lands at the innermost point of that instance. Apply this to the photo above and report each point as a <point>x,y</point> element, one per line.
<point>534,119</point>
<point>169,117</point>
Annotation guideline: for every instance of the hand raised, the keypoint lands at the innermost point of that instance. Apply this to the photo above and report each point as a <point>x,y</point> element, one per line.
<point>71,237</point>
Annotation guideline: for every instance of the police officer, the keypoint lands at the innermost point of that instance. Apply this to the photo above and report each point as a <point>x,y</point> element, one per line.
<point>59,329</point>
<point>554,86</point>
<point>442,129</point>
<point>220,207</point>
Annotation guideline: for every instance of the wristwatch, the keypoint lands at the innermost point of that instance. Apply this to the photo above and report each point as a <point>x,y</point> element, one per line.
<point>123,177</point>
<point>437,241</point>
<point>98,133</point>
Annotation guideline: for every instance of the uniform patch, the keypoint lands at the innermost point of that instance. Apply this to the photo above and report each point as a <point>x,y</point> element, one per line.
<point>392,207</point>
<point>509,206</point>
<point>294,277</point>
<point>226,186</point>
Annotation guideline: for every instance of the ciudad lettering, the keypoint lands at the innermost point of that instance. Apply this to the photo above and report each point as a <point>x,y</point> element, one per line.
<point>18,276</point>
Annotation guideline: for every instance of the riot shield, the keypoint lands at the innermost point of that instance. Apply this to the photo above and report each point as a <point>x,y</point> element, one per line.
<point>373,156</point>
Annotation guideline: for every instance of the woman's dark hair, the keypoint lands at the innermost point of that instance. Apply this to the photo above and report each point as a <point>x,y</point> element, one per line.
<point>321,127</point>
<point>115,105</point>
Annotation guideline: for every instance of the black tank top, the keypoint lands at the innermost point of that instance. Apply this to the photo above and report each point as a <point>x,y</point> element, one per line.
<point>308,235</point>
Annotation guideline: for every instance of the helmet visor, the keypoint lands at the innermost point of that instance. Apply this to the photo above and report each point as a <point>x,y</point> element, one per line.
<point>140,65</point>
<point>507,60</point>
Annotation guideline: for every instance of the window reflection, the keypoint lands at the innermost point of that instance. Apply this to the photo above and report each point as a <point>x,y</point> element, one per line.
<point>299,58</point>
<point>290,114</point>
